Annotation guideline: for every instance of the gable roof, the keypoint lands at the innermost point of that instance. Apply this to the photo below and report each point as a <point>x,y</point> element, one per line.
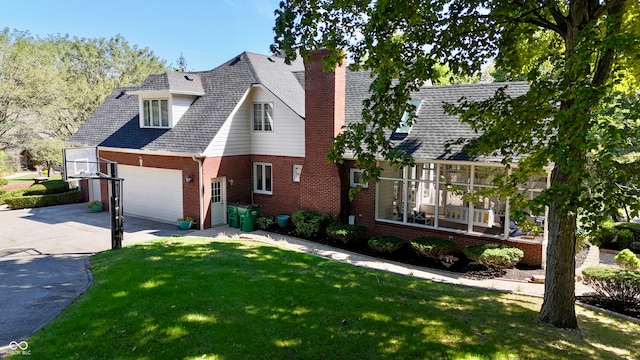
<point>116,121</point>
<point>432,128</point>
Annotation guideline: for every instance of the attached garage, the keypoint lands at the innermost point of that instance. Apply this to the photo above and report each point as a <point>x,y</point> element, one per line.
<point>151,193</point>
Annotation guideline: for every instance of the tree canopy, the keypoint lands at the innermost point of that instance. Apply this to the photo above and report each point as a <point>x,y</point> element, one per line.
<point>49,86</point>
<point>574,53</point>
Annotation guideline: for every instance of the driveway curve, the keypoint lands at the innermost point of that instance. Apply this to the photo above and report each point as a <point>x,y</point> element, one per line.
<point>44,254</point>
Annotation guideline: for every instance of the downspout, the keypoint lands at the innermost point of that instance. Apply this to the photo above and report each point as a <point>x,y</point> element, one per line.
<point>200,190</point>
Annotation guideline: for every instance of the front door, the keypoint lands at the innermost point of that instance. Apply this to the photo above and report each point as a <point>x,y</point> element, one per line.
<point>218,201</point>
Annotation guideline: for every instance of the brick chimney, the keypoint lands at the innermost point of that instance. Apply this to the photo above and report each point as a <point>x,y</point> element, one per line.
<point>320,183</point>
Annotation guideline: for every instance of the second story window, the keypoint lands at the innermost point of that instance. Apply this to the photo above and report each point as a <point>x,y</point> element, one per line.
<point>263,117</point>
<point>156,112</point>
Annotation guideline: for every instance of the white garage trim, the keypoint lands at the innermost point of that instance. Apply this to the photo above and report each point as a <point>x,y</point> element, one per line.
<point>151,192</point>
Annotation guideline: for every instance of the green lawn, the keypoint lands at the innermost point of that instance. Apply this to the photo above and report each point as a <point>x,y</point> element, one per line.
<point>28,179</point>
<point>195,298</point>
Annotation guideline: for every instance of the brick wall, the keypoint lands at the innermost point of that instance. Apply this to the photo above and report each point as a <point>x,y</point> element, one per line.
<point>320,189</point>
<point>286,193</point>
<point>190,201</point>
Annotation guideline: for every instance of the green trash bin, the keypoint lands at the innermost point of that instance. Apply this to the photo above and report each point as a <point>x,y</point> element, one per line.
<point>232,216</point>
<point>248,215</point>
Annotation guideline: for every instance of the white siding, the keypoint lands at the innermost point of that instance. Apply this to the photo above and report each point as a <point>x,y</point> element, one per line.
<point>287,137</point>
<point>180,105</point>
<point>236,137</point>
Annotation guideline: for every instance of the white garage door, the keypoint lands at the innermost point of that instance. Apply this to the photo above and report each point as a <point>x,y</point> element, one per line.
<point>151,193</point>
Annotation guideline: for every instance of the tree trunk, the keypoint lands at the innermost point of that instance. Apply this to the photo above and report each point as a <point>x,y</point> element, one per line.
<point>558,308</point>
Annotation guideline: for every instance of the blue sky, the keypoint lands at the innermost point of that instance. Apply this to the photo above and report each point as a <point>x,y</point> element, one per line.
<point>207,32</point>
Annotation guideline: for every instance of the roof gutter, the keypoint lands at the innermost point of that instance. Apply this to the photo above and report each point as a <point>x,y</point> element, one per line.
<point>200,189</point>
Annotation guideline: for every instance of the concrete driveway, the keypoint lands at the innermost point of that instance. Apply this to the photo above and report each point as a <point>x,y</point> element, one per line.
<point>43,261</point>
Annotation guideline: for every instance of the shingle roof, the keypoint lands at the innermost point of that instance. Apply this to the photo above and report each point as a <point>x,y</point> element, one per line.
<point>116,121</point>
<point>173,82</point>
<point>433,128</point>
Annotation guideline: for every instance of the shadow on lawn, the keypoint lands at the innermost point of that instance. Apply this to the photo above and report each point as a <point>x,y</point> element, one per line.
<point>246,300</point>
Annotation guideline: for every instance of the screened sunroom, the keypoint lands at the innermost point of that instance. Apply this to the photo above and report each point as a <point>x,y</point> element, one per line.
<point>432,194</point>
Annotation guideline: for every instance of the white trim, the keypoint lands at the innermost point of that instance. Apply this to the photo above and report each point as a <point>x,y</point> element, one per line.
<point>141,114</point>
<point>264,184</point>
<point>150,152</point>
<point>352,182</point>
<point>263,120</point>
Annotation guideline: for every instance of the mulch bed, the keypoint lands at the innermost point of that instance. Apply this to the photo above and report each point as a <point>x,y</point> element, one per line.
<point>458,263</point>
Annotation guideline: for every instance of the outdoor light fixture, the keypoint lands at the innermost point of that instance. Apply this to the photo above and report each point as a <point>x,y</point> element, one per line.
<point>188,178</point>
<point>231,181</point>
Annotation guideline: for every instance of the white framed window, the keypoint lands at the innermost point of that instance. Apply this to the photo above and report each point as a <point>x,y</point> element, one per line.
<point>263,117</point>
<point>297,171</point>
<point>355,178</point>
<point>404,127</point>
<point>155,113</point>
<point>263,178</point>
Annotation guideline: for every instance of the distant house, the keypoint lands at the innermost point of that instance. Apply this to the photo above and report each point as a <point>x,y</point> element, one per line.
<point>257,130</point>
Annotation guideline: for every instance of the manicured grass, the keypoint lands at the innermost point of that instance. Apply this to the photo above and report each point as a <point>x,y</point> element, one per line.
<point>28,179</point>
<point>194,298</point>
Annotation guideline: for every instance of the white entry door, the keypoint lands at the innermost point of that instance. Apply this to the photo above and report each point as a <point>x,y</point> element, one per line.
<point>218,202</point>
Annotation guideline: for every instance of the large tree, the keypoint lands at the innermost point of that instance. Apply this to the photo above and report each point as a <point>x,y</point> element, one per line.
<point>49,86</point>
<point>569,50</point>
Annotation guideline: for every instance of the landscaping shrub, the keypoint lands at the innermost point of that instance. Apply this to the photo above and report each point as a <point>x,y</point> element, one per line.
<point>494,255</point>
<point>264,222</point>
<point>625,238</point>
<point>386,243</point>
<point>620,286</point>
<point>432,246</point>
<point>605,237</point>
<point>11,194</point>
<point>48,188</point>
<point>2,192</point>
<point>346,233</point>
<point>3,181</point>
<point>635,246</point>
<point>310,224</point>
<point>627,260</point>
<point>34,201</point>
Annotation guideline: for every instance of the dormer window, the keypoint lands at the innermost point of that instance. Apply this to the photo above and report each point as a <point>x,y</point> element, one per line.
<point>404,127</point>
<point>155,113</point>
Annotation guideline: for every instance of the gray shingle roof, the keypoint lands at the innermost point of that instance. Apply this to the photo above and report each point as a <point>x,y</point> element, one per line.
<point>433,128</point>
<point>116,121</point>
<point>173,82</point>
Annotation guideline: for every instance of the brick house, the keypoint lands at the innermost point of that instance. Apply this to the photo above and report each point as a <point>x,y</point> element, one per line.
<point>257,130</point>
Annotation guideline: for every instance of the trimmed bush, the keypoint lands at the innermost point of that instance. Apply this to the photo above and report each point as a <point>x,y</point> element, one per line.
<point>47,188</point>
<point>310,224</point>
<point>432,246</point>
<point>34,201</point>
<point>605,237</point>
<point>495,256</point>
<point>620,286</point>
<point>11,194</point>
<point>627,260</point>
<point>635,246</point>
<point>386,243</point>
<point>625,238</point>
<point>346,233</point>
<point>3,181</point>
<point>2,192</point>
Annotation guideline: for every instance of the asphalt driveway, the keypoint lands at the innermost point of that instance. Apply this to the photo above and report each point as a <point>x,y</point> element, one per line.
<point>44,254</point>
